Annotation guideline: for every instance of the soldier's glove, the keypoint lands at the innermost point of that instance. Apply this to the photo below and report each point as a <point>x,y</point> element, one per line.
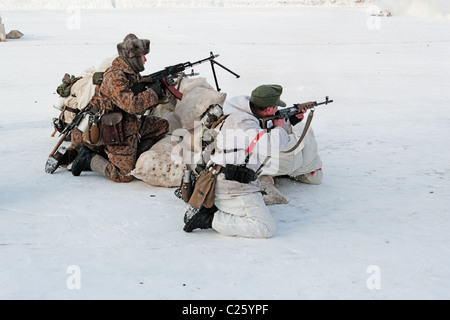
<point>294,120</point>
<point>146,83</point>
<point>139,87</point>
<point>156,86</point>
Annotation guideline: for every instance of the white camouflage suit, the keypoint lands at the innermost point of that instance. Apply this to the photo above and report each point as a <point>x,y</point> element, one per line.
<point>241,207</point>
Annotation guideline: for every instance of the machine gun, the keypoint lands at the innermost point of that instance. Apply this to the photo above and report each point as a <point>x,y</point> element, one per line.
<point>167,75</point>
<point>286,113</point>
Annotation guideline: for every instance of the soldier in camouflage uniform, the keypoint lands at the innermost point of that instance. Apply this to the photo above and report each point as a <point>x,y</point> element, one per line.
<point>117,92</point>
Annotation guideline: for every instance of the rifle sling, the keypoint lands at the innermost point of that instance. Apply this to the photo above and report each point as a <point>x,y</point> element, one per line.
<point>307,125</point>
<point>71,110</point>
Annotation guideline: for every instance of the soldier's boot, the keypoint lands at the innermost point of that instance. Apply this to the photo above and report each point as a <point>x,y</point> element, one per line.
<point>270,193</point>
<point>62,158</point>
<point>314,177</point>
<point>68,158</point>
<point>99,164</point>
<point>83,161</point>
<point>202,219</point>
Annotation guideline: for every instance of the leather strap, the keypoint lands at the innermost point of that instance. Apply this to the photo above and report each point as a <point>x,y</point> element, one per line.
<point>308,123</point>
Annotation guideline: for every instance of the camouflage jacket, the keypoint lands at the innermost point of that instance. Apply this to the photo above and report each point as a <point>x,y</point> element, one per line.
<point>114,94</point>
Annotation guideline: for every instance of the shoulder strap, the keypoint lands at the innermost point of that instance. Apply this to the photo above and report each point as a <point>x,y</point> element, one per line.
<point>219,121</point>
<point>308,123</point>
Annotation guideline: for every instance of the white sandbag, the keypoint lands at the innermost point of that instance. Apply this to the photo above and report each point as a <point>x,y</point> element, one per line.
<point>164,164</point>
<point>161,110</point>
<point>187,84</point>
<point>159,167</point>
<point>166,111</point>
<point>174,124</point>
<point>198,95</point>
<point>189,145</point>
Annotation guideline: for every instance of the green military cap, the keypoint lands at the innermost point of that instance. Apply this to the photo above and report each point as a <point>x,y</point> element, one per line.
<point>267,95</point>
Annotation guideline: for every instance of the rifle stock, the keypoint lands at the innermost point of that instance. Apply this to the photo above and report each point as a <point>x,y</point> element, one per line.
<point>76,120</point>
<point>61,140</point>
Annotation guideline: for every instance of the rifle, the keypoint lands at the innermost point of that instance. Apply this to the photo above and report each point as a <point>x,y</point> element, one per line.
<point>167,75</point>
<point>55,156</point>
<point>286,113</point>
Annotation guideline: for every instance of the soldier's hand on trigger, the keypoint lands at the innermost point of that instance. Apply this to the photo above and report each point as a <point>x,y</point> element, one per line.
<point>301,115</point>
<point>156,86</point>
<point>279,123</point>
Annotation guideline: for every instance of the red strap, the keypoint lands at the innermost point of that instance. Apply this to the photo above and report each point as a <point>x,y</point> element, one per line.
<point>252,145</point>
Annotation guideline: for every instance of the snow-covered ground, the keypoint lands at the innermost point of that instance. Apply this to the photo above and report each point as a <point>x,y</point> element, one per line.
<point>133,4</point>
<point>377,228</point>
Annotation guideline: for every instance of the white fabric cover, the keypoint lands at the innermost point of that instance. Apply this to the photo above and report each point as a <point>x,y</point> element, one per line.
<point>198,95</point>
<point>302,160</point>
<point>166,111</point>
<point>251,218</point>
<point>83,90</point>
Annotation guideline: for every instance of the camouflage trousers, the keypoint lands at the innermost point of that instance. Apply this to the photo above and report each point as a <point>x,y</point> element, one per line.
<point>123,157</point>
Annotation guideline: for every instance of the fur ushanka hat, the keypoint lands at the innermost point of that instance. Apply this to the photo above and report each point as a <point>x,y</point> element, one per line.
<point>132,47</point>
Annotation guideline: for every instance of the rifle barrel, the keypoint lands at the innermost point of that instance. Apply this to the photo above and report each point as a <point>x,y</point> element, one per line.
<point>313,104</point>
<point>212,57</point>
<point>325,102</point>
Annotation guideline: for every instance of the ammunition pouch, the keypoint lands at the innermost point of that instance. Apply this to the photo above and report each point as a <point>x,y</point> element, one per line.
<point>112,128</point>
<point>240,174</point>
<point>97,78</point>
<point>204,188</point>
<point>67,82</point>
<point>64,90</point>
